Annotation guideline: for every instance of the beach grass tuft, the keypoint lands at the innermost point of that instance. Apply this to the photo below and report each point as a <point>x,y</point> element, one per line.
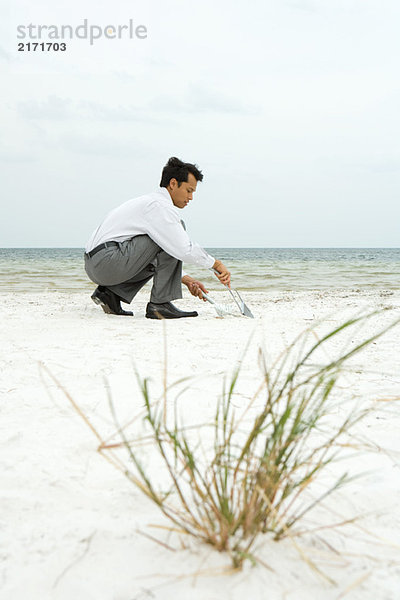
<point>256,469</point>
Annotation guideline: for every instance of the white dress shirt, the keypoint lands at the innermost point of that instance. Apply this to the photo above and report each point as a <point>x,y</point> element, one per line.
<point>155,215</point>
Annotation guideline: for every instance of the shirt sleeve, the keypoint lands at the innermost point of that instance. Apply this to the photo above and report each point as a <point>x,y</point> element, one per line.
<point>165,228</point>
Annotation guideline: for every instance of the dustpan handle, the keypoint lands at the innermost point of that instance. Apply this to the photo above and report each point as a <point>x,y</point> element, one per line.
<point>231,293</point>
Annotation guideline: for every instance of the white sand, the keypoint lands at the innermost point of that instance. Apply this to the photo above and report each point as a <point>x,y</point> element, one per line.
<point>69,521</point>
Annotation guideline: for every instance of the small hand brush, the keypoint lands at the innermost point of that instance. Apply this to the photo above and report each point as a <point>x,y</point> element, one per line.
<point>222,309</point>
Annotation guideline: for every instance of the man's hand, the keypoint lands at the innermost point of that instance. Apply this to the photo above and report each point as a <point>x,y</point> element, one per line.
<point>195,287</point>
<point>222,273</point>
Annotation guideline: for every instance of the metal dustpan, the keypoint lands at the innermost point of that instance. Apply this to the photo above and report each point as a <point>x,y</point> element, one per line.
<point>244,309</point>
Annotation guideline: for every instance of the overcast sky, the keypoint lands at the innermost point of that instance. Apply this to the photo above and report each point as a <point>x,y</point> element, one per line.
<point>290,108</point>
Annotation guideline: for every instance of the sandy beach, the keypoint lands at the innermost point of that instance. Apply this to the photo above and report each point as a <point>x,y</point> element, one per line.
<point>73,527</point>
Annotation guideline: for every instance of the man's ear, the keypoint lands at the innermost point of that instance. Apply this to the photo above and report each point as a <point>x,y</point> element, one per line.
<point>173,182</point>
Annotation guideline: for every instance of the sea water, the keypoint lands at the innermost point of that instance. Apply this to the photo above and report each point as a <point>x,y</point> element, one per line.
<point>262,269</point>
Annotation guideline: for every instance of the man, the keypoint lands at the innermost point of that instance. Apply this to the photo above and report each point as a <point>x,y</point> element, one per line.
<point>145,239</point>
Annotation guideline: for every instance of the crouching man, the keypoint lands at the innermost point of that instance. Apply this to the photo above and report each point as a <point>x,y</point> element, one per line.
<point>145,239</point>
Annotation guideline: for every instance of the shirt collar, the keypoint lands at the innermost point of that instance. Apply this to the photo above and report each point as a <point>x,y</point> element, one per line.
<point>165,194</point>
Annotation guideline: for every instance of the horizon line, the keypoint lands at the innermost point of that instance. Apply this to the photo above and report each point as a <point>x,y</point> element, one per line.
<point>221,247</point>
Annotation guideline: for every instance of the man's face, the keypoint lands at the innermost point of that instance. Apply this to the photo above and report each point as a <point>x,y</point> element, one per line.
<point>182,195</point>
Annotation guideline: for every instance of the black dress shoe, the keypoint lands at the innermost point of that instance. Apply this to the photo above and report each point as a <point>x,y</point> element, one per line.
<point>166,311</point>
<point>109,301</point>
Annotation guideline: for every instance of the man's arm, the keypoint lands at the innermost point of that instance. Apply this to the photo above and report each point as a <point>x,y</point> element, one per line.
<point>196,288</point>
<point>165,228</point>
<point>222,273</point>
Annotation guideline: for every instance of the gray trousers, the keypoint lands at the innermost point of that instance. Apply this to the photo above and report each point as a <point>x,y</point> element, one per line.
<point>124,269</point>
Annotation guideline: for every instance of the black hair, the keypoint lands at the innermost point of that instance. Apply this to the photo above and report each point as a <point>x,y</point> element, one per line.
<point>179,170</point>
